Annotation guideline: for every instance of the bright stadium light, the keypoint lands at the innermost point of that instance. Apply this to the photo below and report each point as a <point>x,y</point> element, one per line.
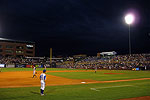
<point>129,19</point>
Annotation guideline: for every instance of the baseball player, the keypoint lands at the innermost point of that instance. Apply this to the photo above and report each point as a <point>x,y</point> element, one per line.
<point>95,68</point>
<point>86,67</point>
<point>43,78</point>
<point>45,67</point>
<point>34,72</point>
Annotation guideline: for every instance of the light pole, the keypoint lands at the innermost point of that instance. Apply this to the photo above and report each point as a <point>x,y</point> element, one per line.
<point>129,19</point>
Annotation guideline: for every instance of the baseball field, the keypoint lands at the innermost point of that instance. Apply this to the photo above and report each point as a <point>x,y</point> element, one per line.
<point>73,84</point>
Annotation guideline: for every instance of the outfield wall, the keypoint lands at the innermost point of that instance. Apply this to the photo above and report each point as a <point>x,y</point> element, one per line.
<point>48,66</point>
<point>20,66</point>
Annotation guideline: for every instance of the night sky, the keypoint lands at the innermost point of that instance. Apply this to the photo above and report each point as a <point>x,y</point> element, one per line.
<point>77,26</point>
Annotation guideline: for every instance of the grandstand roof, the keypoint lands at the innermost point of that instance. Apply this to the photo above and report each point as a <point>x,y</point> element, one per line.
<point>16,41</point>
<point>108,53</point>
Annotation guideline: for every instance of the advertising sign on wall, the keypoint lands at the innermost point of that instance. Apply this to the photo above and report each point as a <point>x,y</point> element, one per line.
<point>2,65</point>
<point>20,66</point>
<point>28,66</point>
<point>10,65</point>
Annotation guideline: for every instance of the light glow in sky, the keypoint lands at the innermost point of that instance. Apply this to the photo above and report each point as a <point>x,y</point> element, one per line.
<point>129,19</point>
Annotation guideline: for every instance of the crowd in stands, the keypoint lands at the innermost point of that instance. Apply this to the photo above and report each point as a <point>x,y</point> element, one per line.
<point>116,62</point>
<point>20,60</point>
<point>113,62</point>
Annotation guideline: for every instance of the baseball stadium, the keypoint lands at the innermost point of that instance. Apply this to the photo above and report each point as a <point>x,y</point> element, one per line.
<point>80,77</point>
<point>74,49</point>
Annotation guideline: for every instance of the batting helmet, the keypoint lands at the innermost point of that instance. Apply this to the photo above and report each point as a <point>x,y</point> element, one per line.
<point>44,71</point>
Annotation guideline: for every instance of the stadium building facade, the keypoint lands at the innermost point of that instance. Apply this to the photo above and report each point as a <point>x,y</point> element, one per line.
<point>15,48</point>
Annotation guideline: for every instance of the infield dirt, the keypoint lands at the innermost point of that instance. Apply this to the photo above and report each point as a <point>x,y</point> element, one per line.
<point>24,79</point>
<point>138,98</point>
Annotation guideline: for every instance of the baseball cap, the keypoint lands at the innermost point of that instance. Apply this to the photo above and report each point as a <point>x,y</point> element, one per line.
<point>44,71</point>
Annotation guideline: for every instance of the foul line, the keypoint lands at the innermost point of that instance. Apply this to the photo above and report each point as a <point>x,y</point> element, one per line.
<point>97,89</point>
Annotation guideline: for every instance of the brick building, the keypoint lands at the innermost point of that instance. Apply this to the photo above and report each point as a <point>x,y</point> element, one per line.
<point>9,47</point>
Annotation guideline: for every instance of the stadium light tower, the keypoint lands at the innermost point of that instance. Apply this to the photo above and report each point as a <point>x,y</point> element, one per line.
<point>129,19</point>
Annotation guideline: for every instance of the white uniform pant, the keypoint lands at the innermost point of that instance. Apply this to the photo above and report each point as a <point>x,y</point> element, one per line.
<point>42,85</point>
<point>33,72</point>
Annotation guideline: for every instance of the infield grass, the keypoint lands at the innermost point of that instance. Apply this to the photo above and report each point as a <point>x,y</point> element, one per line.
<point>104,75</point>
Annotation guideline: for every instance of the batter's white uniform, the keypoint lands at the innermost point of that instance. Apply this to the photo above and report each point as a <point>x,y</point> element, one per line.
<point>43,78</point>
<point>34,70</point>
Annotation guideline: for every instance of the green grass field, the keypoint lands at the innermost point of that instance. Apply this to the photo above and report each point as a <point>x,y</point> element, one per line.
<point>97,91</point>
<point>30,69</point>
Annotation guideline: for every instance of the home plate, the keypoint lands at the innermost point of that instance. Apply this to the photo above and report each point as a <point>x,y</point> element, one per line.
<point>83,82</point>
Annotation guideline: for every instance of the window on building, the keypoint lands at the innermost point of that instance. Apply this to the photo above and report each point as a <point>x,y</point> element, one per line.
<point>29,46</point>
<point>19,47</point>
<point>8,55</point>
<point>9,51</point>
<point>29,52</point>
<point>9,46</point>
<point>19,55</point>
<point>29,55</point>
<point>19,51</point>
<point>1,50</point>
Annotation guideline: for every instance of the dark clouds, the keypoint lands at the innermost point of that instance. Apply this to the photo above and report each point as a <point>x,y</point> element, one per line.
<point>75,26</point>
